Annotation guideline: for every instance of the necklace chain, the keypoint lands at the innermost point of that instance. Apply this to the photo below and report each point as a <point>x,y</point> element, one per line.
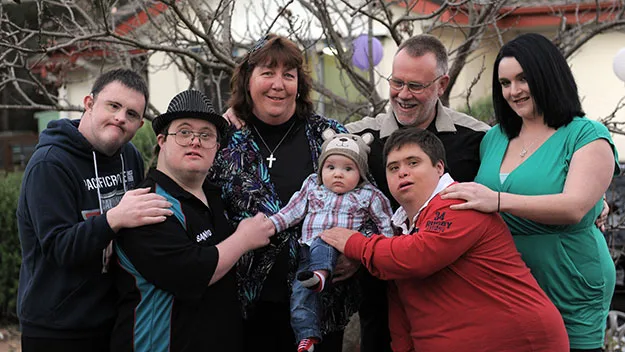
<point>271,158</point>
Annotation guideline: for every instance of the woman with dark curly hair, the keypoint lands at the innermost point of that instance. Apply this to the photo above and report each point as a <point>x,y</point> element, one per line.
<point>263,165</point>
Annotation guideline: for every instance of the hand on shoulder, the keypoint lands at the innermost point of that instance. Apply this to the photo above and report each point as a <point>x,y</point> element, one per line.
<point>477,197</point>
<point>137,208</point>
<point>233,119</point>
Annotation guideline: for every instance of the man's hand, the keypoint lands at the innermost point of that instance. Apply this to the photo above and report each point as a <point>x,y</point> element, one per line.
<point>137,208</point>
<point>232,119</point>
<point>337,237</point>
<point>254,232</point>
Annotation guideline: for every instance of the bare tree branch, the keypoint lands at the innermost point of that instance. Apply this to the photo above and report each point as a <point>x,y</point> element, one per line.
<point>611,122</point>
<point>480,18</point>
<point>202,37</point>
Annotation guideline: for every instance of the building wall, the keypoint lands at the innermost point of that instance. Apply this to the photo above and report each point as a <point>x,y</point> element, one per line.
<point>599,88</point>
<point>479,64</point>
<point>79,86</point>
<point>164,84</point>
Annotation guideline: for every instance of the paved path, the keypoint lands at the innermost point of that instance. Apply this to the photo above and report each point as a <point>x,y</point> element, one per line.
<point>9,341</point>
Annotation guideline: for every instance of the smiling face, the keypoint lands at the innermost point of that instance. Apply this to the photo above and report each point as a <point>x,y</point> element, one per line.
<point>340,174</point>
<point>112,117</point>
<point>273,91</point>
<point>515,89</point>
<point>416,109</point>
<point>411,176</point>
<point>192,160</point>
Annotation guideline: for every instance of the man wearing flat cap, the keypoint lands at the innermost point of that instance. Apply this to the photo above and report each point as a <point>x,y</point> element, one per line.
<point>177,289</point>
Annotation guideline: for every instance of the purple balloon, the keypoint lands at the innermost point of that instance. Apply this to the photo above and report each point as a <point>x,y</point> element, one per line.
<point>361,52</point>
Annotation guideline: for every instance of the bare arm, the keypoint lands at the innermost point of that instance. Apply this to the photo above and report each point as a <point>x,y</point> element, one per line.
<point>163,254</point>
<point>589,176</point>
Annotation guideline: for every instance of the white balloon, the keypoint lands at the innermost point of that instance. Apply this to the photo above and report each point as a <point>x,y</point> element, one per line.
<point>619,65</point>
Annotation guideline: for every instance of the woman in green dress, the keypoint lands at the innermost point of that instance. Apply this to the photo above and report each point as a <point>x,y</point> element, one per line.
<point>545,167</point>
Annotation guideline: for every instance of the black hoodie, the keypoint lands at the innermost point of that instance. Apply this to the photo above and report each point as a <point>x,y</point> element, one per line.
<point>63,292</point>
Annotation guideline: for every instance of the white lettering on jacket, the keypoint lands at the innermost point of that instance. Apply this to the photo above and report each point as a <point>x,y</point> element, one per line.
<point>110,181</point>
<point>203,236</point>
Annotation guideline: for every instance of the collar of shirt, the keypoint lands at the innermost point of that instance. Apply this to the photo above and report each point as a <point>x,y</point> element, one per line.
<point>400,218</point>
<point>174,188</point>
<point>443,122</point>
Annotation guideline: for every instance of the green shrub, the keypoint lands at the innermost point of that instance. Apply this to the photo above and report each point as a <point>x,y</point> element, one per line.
<point>145,140</point>
<point>10,252</point>
<point>482,109</point>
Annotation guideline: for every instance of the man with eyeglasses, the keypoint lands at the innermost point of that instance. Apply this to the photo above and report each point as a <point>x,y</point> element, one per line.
<point>177,289</point>
<point>76,195</point>
<point>418,79</point>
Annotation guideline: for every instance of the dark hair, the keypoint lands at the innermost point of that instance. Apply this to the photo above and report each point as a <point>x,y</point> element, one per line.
<point>549,78</point>
<point>156,150</point>
<point>272,51</point>
<point>129,78</point>
<point>426,140</point>
<point>422,44</point>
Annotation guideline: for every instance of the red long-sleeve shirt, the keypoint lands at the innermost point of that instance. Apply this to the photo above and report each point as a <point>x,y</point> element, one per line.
<point>459,284</point>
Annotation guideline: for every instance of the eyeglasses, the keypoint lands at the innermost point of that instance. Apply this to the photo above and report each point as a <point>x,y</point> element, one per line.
<point>184,138</point>
<point>413,87</point>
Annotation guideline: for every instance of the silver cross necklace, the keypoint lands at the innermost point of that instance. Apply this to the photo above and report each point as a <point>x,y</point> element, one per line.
<point>271,158</point>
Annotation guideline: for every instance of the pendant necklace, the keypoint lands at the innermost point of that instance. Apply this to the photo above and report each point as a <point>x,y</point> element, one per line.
<point>271,158</point>
<point>526,149</point>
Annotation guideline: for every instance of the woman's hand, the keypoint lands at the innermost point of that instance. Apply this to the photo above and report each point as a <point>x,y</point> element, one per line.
<point>344,269</point>
<point>602,220</point>
<point>477,196</point>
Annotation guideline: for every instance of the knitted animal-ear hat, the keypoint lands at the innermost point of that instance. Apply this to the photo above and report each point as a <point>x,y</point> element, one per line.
<point>190,104</point>
<point>352,146</point>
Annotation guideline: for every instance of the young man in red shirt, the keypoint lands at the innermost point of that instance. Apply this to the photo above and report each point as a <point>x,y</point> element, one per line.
<point>457,281</point>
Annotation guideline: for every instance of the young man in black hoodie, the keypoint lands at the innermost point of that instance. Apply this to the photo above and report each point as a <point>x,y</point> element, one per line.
<point>76,195</point>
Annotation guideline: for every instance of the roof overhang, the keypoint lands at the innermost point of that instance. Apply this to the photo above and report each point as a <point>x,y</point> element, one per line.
<point>81,54</point>
<point>530,14</point>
